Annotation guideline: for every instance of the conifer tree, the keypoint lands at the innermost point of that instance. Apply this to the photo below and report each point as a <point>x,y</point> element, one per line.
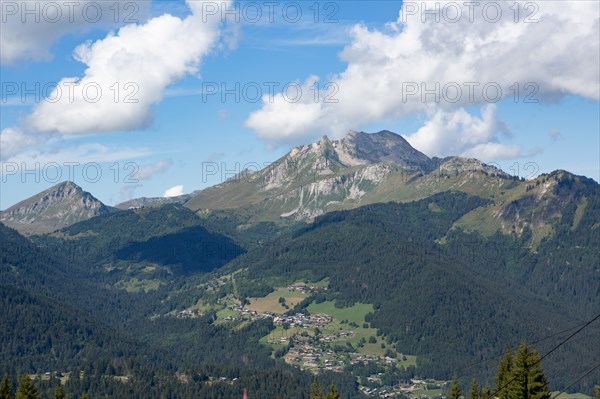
<point>5,389</point>
<point>316,392</point>
<point>59,393</point>
<point>528,380</point>
<point>333,393</point>
<point>504,374</point>
<point>486,392</point>
<point>26,389</point>
<point>455,391</point>
<point>474,391</point>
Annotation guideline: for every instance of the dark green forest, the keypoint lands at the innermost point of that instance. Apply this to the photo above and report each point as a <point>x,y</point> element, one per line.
<point>519,374</point>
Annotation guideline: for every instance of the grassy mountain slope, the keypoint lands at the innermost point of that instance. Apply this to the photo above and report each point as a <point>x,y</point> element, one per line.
<point>358,170</point>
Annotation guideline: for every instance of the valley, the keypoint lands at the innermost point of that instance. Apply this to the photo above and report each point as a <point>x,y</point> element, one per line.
<point>315,336</point>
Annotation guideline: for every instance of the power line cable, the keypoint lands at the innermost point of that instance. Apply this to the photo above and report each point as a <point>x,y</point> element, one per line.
<point>549,352</point>
<point>576,381</point>
<point>533,343</point>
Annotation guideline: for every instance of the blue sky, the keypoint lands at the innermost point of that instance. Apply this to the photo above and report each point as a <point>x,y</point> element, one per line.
<point>179,129</point>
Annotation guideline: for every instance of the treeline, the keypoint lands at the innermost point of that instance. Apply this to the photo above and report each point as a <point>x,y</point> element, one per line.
<point>519,375</point>
<point>268,384</point>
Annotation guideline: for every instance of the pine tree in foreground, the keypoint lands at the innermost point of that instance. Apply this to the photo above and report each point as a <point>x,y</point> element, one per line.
<point>474,391</point>
<point>527,378</point>
<point>455,391</point>
<point>333,393</point>
<point>504,374</point>
<point>486,392</point>
<point>26,389</point>
<point>316,392</point>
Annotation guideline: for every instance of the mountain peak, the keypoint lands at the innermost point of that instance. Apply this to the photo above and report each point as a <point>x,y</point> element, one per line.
<point>67,183</point>
<point>61,205</point>
<point>322,145</point>
<point>358,148</point>
<point>68,187</point>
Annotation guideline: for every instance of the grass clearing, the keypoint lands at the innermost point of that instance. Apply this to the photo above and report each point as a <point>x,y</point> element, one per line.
<point>225,312</point>
<point>134,285</point>
<point>279,336</point>
<point>320,284</point>
<point>271,304</point>
<point>579,212</point>
<point>354,313</point>
<point>430,393</point>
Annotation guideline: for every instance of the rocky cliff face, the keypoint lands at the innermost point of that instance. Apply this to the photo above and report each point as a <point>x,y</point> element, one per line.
<point>326,158</point>
<point>59,206</point>
<point>362,169</point>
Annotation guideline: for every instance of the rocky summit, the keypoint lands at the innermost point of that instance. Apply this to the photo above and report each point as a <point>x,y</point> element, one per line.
<point>359,169</point>
<point>59,206</point>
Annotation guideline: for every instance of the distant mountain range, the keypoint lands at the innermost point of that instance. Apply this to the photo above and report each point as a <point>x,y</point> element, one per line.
<point>330,175</point>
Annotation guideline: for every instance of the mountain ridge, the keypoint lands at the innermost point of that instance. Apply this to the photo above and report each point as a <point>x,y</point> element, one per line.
<point>313,179</point>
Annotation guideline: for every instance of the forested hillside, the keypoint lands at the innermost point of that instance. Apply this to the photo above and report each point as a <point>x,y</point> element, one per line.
<point>60,319</point>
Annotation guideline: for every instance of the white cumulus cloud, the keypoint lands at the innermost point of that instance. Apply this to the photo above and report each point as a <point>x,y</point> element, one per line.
<point>127,72</point>
<point>14,140</point>
<point>288,115</point>
<point>460,133</point>
<point>465,63</point>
